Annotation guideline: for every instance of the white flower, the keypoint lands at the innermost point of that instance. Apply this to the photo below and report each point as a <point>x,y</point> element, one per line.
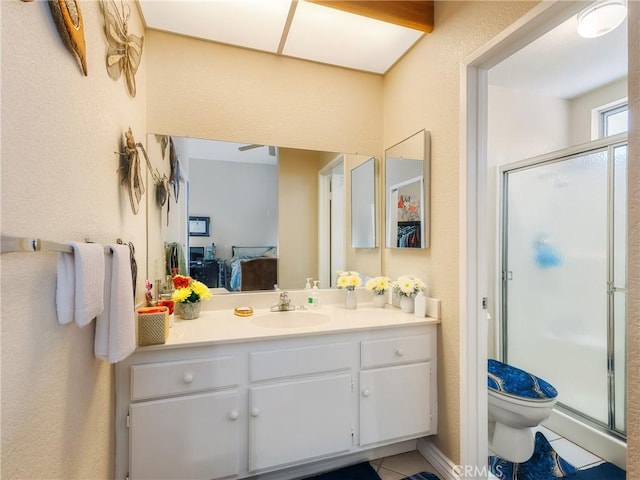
<point>348,280</point>
<point>408,286</point>
<point>378,285</point>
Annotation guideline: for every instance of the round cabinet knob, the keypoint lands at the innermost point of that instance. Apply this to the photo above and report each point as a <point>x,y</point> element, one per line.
<point>188,377</point>
<point>233,415</point>
<point>366,392</point>
<point>255,412</point>
<point>400,352</point>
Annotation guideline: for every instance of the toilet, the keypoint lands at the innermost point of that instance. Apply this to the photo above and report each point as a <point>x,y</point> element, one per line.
<point>518,402</point>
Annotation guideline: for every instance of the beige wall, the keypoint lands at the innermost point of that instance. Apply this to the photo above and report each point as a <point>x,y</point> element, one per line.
<point>59,182</point>
<point>423,91</point>
<point>633,235</point>
<point>201,89</point>
<point>298,227</point>
<point>580,109</point>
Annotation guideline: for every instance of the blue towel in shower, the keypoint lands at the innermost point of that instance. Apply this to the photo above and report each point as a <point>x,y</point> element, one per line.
<point>513,381</point>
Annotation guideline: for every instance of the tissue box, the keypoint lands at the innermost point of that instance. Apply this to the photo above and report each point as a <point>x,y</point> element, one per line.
<point>152,327</point>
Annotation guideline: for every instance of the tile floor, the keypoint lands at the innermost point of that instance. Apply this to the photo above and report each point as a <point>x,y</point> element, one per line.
<point>400,466</point>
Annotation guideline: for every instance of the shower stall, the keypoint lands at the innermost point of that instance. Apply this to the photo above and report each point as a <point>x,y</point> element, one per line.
<point>563,277</point>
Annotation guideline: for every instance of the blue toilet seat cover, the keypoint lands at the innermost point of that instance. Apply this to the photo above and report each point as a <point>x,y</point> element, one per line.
<point>513,381</point>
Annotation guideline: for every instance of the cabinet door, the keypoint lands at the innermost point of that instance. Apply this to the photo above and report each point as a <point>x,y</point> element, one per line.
<point>298,420</point>
<point>394,403</point>
<point>192,437</point>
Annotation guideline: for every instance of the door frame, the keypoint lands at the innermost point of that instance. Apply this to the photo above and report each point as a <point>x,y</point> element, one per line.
<point>324,221</point>
<point>473,181</point>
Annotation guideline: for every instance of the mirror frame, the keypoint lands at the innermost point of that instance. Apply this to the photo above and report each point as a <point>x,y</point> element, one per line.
<point>397,152</point>
<point>364,210</point>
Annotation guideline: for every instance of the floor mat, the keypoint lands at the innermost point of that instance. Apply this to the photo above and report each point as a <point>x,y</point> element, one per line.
<point>604,471</point>
<point>422,476</point>
<point>360,471</point>
<point>544,464</point>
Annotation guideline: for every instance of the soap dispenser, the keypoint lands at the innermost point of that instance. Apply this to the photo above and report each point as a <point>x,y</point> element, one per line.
<point>307,289</point>
<point>315,295</point>
<point>420,305</point>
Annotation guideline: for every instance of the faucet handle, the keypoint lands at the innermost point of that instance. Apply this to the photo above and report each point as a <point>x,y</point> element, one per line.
<point>284,298</point>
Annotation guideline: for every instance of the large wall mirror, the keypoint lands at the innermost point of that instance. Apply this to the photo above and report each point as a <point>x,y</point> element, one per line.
<point>407,166</point>
<point>363,205</point>
<point>261,206</point>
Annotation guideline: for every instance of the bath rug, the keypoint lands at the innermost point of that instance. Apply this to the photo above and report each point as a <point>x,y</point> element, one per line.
<point>603,471</point>
<point>422,476</point>
<point>360,471</point>
<point>544,464</point>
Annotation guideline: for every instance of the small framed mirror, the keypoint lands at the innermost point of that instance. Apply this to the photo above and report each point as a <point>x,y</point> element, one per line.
<point>363,205</point>
<point>407,166</point>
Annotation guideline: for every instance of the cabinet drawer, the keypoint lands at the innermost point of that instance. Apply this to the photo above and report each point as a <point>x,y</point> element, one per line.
<point>169,378</point>
<point>391,351</point>
<point>299,361</point>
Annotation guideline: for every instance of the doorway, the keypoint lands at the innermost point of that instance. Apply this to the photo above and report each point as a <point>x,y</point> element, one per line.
<point>331,215</point>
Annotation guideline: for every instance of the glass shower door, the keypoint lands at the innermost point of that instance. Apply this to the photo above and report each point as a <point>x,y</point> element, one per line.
<point>555,274</point>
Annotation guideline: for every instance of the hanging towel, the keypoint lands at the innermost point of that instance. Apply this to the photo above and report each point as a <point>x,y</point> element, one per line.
<point>115,336</point>
<point>80,283</point>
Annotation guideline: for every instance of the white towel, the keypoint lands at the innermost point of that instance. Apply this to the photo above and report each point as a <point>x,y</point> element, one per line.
<point>80,283</point>
<point>115,336</point>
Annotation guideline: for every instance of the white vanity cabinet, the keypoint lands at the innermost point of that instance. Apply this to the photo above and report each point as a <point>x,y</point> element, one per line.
<point>193,437</point>
<point>273,406</point>
<point>397,391</point>
<point>187,435</point>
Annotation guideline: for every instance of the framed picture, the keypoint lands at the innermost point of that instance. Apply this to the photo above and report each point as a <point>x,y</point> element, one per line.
<point>199,226</point>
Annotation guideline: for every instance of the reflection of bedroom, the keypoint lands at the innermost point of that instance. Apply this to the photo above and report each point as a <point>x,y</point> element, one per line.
<point>227,191</point>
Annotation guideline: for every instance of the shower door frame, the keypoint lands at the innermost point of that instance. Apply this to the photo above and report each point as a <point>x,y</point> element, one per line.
<point>608,144</point>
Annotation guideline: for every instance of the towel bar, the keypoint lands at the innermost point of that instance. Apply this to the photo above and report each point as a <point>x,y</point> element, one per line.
<point>20,244</point>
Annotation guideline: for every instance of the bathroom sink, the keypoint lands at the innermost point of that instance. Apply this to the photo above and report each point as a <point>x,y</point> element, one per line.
<point>294,319</point>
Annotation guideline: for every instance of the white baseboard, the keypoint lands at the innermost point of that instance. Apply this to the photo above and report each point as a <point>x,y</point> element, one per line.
<point>432,454</point>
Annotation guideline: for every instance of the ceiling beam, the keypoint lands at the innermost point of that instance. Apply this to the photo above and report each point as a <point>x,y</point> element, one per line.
<point>416,14</point>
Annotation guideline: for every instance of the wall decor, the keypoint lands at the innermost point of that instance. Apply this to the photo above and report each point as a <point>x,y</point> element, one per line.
<point>199,226</point>
<point>130,170</point>
<point>125,49</point>
<point>132,175</point>
<point>68,19</point>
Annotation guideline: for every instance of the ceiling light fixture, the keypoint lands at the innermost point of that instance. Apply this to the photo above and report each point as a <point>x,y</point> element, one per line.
<point>601,18</point>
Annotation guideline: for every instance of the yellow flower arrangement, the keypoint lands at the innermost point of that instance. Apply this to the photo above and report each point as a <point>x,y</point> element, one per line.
<point>348,280</point>
<point>378,285</point>
<point>188,290</point>
<point>408,286</point>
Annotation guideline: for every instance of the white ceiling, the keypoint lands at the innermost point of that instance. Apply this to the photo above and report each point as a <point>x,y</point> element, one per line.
<point>292,28</point>
<point>227,151</point>
<point>562,64</point>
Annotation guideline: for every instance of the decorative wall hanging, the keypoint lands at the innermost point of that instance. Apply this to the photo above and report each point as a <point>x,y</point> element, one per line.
<point>163,140</point>
<point>175,177</point>
<point>132,174</point>
<point>125,50</point>
<point>68,19</point>
<point>130,170</point>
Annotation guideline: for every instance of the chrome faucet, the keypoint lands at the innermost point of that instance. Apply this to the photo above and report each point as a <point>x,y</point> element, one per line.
<point>284,305</point>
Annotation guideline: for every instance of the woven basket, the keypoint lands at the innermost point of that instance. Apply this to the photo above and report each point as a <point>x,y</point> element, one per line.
<point>152,326</point>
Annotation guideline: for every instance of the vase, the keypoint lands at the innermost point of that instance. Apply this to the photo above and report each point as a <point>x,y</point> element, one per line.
<point>190,311</point>
<point>406,304</point>
<point>350,300</point>
<point>379,300</point>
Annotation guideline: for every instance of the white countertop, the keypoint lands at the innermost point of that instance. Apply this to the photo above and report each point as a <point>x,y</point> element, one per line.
<point>222,326</point>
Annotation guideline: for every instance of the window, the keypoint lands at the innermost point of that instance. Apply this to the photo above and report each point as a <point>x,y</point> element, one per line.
<point>614,120</point>
<point>610,119</point>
